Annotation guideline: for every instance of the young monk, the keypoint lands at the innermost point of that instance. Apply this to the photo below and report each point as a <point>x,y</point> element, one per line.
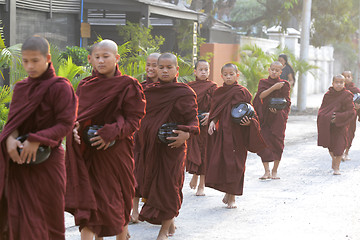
<point>43,107</point>
<point>349,85</point>
<point>151,69</point>
<point>272,121</point>
<point>230,141</point>
<point>101,182</point>
<point>196,154</point>
<point>163,164</point>
<point>151,77</point>
<point>334,116</point>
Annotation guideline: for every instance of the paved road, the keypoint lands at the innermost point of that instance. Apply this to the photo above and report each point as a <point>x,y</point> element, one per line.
<point>307,203</point>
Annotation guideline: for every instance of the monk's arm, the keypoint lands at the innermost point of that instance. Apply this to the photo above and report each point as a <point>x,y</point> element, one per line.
<point>344,118</point>
<point>64,104</point>
<point>187,106</point>
<point>268,91</point>
<point>131,111</point>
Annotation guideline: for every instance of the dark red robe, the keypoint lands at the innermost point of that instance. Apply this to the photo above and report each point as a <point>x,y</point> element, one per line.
<point>333,135</point>
<point>146,82</point>
<point>32,196</point>
<point>101,182</point>
<point>352,126</point>
<point>196,153</point>
<point>228,145</point>
<point>273,125</point>
<point>161,168</point>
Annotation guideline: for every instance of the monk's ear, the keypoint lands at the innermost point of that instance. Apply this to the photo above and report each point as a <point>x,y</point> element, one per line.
<point>48,58</point>
<point>117,58</point>
<point>89,59</point>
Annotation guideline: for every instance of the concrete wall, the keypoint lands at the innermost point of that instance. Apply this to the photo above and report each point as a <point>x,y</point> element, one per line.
<point>321,57</point>
<point>62,29</point>
<point>222,53</point>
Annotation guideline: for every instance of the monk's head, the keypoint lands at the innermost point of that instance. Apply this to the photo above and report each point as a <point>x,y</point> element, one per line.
<point>338,82</point>
<point>230,73</point>
<point>168,68</point>
<point>104,57</point>
<point>348,76</point>
<point>151,66</point>
<point>202,70</point>
<point>275,70</point>
<point>35,52</point>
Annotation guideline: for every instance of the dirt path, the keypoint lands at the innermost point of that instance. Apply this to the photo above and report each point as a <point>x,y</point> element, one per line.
<point>307,203</point>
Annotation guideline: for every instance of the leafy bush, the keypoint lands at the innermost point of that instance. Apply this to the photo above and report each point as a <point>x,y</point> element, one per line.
<point>5,97</point>
<point>78,55</point>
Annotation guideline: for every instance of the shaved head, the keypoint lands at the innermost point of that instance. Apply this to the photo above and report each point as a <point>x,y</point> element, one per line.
<point>170,56</point>
<point>36,43</point>
<point>106,43</point>
<point>339,76</point>
<point>153,55</point>
<point>276,63</point>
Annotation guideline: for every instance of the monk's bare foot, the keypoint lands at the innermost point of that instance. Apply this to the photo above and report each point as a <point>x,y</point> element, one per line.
<point>345,158</point>
<point>231,202</point>
<point>162,237</point>
<point>336,172</point>
<point>266,176</point>
<point>193,182</point>
<point>274,175</point>
<point>134,218</point>
<point>226,198</point>
<point>200,191</point>
<point>172,229</point>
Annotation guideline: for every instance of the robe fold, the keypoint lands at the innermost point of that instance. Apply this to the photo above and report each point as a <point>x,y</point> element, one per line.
<point>333,135</point>
<point>228,145</point>
<point>32,196</point>
<point>196,152</point>
<point>101,183</point>
<point>352,126</point>
<point>161,168</point>
<point>273,125</point>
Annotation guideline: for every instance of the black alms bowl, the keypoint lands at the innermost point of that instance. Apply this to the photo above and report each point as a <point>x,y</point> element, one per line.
<point>89,132</point>
<point>277,103</point>
<point>166,130</point>
<point>201,116</point>
<point>42,153</point>
<point>356,98</point>
<point>242,110</point>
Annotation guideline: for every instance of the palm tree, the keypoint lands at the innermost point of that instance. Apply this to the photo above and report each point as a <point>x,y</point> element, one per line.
<point>253,65</point>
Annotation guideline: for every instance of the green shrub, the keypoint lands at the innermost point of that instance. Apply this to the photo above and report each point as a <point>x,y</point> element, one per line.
<point>77,54</point>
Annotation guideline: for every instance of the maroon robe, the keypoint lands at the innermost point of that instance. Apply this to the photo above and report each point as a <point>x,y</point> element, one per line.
<point>146,82</point>
<point>196,153</point>
<point>228,145</point>
<point>101,182</point>
<point>333,135</point>
<point>161,167</point>
<point>32,196</point>
<point>273,125</point>
<point>352,126</point>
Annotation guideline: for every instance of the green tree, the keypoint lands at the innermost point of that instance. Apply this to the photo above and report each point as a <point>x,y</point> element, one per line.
<point>5,97</point>
<point>139,36</point>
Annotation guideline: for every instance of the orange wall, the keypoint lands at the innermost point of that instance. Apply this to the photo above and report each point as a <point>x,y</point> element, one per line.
<point>222,53</point>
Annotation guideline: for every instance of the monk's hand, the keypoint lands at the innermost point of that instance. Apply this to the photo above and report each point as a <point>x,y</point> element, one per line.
<point>212,128</point>
<point>28,153</point>
<point>357,106</point>
<point>99,142</point>
<point>76,132</point>
<point>278,85</point>
<point>11,146</point>
<point>273,110</point>
<point>245,121</point>
<point>205,121</point>
<point>179,139</point>
<point>333,118</point>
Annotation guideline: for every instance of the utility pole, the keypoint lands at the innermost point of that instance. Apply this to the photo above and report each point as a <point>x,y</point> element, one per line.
<point>304,53</point>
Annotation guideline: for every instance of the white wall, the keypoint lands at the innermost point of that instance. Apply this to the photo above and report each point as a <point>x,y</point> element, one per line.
<point>321,57</point>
